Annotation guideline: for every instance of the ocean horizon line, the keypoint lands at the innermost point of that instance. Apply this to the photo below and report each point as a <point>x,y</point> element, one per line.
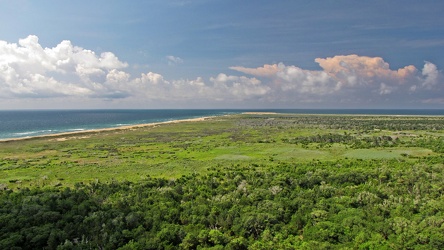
<point>32,123</point>
<point>80,109</point>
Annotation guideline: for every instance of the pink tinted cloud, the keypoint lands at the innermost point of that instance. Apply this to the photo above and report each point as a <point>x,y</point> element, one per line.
<point>266,71</point>
<point>354,69</point>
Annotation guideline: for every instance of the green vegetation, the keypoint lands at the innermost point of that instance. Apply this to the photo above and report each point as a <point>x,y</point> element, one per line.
<point>237,182</point>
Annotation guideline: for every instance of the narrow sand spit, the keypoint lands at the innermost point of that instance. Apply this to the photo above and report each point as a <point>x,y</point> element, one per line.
<point>72,135</point>
<point>259,113</point>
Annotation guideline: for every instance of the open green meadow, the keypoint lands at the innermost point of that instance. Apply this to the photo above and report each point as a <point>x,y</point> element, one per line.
<point>249,181</point>
<point>172,150</point>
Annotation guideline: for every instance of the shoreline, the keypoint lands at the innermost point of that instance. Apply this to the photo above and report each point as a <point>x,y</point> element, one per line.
<point>99,130</point>
<point>56,136</point>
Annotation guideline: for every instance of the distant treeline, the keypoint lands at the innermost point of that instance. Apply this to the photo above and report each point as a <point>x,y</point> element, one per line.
<point>434,143</point>
<point>354,122</point>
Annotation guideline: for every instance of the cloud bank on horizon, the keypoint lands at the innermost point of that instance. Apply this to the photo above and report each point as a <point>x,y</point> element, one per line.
<point>30,72</point>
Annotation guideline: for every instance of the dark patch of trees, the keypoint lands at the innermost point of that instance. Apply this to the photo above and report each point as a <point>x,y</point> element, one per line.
<point>375,204</point>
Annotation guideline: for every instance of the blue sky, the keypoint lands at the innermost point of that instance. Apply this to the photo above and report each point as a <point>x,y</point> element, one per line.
<point>221,54</point>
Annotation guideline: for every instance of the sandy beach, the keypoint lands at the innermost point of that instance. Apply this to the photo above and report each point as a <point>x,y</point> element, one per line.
<point>85,133</point>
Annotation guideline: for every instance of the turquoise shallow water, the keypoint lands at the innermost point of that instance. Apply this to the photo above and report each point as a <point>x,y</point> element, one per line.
<point>26,123</point>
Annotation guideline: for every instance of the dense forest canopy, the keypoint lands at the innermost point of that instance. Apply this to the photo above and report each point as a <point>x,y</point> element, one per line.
<point>237,182</point>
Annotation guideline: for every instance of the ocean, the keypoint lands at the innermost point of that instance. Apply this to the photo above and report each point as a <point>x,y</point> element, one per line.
<point>28,123</point>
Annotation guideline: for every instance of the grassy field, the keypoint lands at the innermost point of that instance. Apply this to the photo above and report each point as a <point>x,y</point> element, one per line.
<point>176,149</point>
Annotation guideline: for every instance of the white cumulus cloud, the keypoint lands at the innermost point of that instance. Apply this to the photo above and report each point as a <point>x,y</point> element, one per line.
<point>174,60</point>
<point>431,74</point>
<point>27,70</point>
<point>347,78</point>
